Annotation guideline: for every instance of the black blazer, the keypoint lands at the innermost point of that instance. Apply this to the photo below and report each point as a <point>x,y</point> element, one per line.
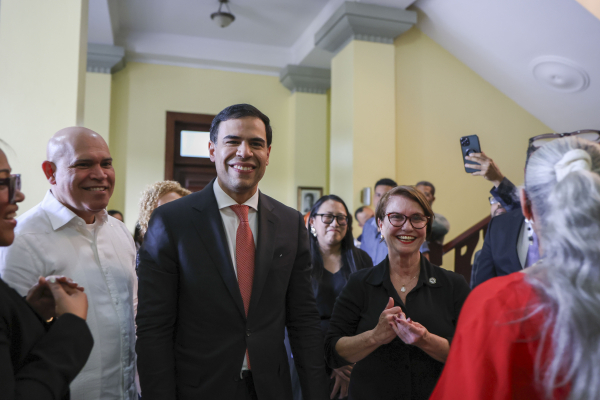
<point>38,360</point>
<point>499,255</point>
<point>191,326</point>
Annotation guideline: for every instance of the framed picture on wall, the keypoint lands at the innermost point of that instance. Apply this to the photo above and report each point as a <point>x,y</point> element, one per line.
<point>307,197</point>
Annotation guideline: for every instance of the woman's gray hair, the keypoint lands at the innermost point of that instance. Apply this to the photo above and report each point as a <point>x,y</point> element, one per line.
<point>567,280</point>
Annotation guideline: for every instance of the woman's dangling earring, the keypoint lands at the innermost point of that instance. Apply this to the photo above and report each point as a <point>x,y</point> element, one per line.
<point>313,231</point>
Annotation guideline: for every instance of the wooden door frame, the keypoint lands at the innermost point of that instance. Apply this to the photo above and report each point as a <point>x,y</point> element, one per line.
<point>172,119</point>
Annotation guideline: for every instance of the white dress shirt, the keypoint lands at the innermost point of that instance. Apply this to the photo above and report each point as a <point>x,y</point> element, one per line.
<point>52,240</point>
<point>231,223</point>
<point>523,243</point>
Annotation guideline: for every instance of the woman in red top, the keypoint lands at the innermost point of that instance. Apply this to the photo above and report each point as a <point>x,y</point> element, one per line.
<point>536,334</point>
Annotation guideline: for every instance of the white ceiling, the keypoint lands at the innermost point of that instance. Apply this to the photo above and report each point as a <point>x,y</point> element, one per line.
<point>498,39</point>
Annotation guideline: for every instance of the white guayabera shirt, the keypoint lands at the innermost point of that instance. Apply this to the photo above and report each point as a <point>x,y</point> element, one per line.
<point>51,240</point>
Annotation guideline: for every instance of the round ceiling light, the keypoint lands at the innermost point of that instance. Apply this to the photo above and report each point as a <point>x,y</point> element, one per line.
<point>560,74</point>
<point>223,19</point>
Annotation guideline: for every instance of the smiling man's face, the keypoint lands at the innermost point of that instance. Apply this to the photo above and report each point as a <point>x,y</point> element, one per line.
<point>84,177</point>
<point>241,156</point>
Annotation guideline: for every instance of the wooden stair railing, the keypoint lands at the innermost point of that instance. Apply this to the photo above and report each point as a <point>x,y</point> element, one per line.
<point>462,260</point>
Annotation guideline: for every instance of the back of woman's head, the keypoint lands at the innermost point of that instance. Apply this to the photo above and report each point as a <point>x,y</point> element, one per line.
<point>150,197</point>
<point>562,183</point>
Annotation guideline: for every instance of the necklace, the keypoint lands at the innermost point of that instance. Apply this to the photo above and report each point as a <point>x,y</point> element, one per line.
<point>403,288</point>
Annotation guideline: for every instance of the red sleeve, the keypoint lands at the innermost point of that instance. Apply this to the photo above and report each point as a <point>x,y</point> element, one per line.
<point>492,354</point>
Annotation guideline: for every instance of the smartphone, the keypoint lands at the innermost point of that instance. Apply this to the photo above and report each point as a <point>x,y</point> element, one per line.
<point>469,145</point>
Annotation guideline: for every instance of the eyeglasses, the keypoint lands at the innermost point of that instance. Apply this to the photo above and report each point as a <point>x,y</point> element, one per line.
<point>13,183</point>
<point>538,141</point>
<point>342,220</point>
<point>418,221</point>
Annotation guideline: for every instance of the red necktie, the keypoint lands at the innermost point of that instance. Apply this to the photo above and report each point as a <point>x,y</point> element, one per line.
<point>244,254</point>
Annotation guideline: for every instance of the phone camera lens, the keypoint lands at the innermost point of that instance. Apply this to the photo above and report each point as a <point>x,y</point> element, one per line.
<point>464,141</point>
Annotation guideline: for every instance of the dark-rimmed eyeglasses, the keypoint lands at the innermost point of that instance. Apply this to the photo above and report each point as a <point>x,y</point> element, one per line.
<point>418,221</point>
<point>538,141</point>
<point>328,219</point>
<point>13,183</point>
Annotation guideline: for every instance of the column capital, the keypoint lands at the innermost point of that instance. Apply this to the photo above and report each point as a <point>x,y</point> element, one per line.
<point>298,78</point>
<point>367,22</point>
<point>104,58</point>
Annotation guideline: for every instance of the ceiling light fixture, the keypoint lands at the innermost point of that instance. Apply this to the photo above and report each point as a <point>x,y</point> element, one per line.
<point>223,19</point>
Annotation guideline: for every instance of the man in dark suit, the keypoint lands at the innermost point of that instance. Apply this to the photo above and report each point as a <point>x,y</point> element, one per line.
<point>510,243</point>
<point>222,273</point>
<point>500,253</point>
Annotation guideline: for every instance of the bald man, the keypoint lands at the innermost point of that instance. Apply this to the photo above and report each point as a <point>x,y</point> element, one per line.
<point>70,233</point>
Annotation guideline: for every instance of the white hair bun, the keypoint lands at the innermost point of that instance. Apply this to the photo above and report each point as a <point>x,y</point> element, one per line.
<point>573,160</point>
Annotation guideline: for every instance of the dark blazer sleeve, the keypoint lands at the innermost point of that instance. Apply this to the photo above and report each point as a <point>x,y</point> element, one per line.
<point>507,194</point>
<point>50,365</point>
<point>344,319</point>
<point>303,324</point>
<point>157,310</point>
<point>484,268</point>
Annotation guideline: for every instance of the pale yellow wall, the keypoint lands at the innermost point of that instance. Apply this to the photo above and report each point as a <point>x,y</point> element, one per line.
<point>362,118</point>
<point>96,114</point>
<point>363,131</point>
<point>143,93</point>
<point>593,6</point>
<point>439,100</point>
<point>308,127</point>
<point>42,81</point>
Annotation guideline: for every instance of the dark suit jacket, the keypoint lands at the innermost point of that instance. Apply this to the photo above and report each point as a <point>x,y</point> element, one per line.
<point>38,360</point>
<point>499,255</point>
<point>191,325</point>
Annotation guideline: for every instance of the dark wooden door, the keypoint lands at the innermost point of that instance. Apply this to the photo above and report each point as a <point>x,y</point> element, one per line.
<point>193,172</point>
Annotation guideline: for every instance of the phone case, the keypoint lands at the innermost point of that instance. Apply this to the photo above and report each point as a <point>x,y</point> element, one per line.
<point>468,145</point>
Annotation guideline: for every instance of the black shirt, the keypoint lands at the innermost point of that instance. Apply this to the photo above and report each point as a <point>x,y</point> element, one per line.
<point>329,287</point>
<point>395,370</point>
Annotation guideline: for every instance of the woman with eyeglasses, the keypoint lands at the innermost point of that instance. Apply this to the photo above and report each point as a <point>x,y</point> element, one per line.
<point>535,334</point>
<point>334,257</point>
<point>396,320</point>
<point>38,360</point>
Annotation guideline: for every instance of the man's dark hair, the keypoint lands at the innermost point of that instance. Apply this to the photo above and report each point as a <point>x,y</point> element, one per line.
<point>113,212</point>
<point>358,211</point>
<point>426,183</point>
<point>238,111</point>
<point>386,182</point>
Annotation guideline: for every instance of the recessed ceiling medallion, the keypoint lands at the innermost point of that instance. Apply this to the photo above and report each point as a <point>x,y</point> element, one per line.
<point>560,74</point>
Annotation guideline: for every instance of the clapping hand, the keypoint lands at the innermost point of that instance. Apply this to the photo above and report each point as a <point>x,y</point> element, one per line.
<point>41,298</point>
<point>410,332</point>
<point>383,332</point>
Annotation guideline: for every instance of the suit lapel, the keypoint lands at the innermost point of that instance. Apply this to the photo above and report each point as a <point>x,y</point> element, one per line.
<point>206,218</point>
<point>267,226</point>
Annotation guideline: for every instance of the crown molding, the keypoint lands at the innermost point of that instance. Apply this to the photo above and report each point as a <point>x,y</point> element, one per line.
<point>104,58</point>
<point>367,22</point>
<point>302,79</point>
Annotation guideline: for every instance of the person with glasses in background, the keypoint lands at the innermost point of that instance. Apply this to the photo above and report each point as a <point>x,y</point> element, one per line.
<point>38,359</point>
<point>334,257</point>
<point>396,320</point>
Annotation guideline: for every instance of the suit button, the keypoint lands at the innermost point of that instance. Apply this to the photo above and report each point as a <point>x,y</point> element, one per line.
<point>248,332</point>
